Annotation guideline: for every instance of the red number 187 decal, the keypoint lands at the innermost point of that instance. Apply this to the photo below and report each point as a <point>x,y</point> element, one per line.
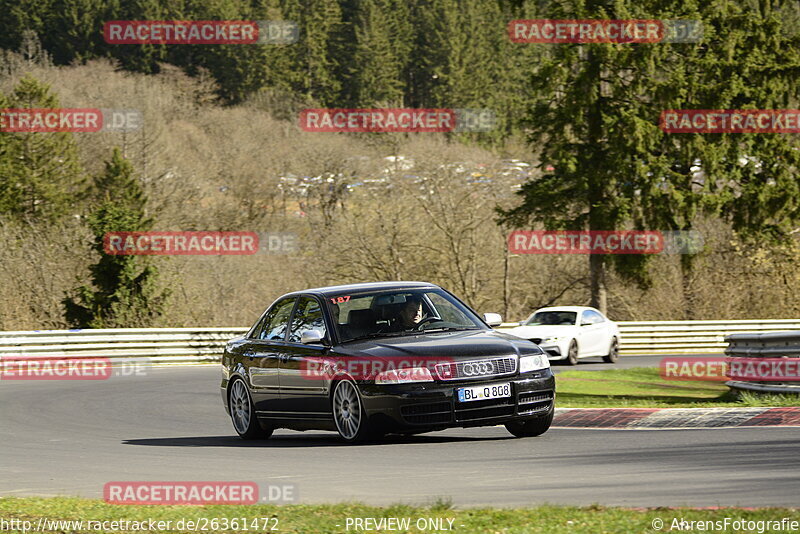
<point>340,300</point>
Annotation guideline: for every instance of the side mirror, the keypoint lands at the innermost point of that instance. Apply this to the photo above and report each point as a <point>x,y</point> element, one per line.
<point>493,319</point>
<point>522,323</point>
<point>309,337</point>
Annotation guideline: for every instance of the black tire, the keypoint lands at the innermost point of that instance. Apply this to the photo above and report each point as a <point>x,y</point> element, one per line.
<point>348,413</point>
<point>531,427</point>
<point>572,353</point>
<point>613,352</point>
<point>243,413</point>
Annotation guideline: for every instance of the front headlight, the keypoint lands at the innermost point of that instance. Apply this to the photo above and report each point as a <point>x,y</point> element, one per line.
<point>404,376</point>
<point>550,339</point>
<point>533,363</point>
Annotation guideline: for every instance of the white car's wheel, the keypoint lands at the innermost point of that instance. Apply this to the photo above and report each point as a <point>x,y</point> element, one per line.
<point>613,352</point>
<point>572,353</point>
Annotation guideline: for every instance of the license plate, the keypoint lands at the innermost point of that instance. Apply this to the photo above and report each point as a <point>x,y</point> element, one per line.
<point>476,393</point>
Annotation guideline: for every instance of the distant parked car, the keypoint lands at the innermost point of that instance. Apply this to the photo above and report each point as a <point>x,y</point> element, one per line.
<point>570,333</point>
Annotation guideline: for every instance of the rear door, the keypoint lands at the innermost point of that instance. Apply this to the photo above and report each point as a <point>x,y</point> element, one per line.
<point>262,355</point>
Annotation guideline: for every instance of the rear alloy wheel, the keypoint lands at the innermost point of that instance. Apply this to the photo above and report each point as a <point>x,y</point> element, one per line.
<point>348,412</point>
<point>243,414</point>
<point>572,354</point>
<point>613,352</point>
<point>530,427</point>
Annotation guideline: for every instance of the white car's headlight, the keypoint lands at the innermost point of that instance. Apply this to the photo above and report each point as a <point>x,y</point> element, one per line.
<point>404,376</point>
<point>550,339</point>
<point>533,363</point>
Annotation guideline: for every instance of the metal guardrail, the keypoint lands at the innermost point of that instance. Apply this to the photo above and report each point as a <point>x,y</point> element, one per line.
<point>160,346</point>
<point>769,345</point>
<point>184,345</point>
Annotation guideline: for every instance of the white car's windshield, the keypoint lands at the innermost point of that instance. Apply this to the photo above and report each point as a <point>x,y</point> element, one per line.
<point>389,313</point>
<point>552,318</point>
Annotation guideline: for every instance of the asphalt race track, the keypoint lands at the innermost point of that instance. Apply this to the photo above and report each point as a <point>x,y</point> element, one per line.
<point>71,437</point>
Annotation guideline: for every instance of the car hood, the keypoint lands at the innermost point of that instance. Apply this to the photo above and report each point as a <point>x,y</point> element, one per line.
<point>451,345</point>
<point>542,331</point>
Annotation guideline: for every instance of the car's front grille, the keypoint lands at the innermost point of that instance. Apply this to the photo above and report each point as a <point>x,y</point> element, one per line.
<point>486,368</point>
<point>447,412</point>
<point>426,414</point>
<point>536,396</point>
<point>535,401</point>
<point>536,340</point>
<point>470,411</point>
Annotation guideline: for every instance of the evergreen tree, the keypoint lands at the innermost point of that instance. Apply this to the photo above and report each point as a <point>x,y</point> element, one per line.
<point>73,30</point>
<point>596,113</point>
<point>316,57</point>
<point>383,43</point>
<point>123,291</point>
<point>42,176</point>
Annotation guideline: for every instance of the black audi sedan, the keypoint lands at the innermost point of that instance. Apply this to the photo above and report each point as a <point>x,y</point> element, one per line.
<point>365,360</point>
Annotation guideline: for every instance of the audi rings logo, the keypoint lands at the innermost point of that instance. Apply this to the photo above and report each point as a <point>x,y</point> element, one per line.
<point>477,368</point>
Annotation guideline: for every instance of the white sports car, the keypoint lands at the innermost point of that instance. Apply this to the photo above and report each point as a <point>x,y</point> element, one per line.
<point>570,333</point>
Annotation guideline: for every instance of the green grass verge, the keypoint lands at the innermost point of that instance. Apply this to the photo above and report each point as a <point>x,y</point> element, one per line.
<point>642,387</point>
<point>333,518</point>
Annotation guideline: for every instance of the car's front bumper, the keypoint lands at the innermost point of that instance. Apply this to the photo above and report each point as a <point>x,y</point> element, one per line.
<point>552,350</point>
<point>435,405</point>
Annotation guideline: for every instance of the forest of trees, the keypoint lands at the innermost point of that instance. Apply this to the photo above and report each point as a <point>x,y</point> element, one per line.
<point>577,146</point>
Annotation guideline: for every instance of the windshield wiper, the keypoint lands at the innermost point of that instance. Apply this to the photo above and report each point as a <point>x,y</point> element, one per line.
<point>449,329</point>
<point>380,334</point>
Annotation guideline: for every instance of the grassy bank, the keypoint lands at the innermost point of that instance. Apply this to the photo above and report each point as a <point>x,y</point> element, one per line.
<point>334,518</point>
<point>642,387</point>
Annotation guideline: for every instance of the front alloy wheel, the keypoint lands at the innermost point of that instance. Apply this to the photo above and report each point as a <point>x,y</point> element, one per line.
<point>572,354</point>
<point>348,412</point>
<point>531,427</point>
<point>243,413</point>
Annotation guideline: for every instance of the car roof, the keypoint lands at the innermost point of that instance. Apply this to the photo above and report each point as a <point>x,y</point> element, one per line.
<point>567,308</point>
<point>358,288</point>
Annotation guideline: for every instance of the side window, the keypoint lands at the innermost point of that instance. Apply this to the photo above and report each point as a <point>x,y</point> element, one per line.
<point>255,332</point>
<point>307,317</point>
<point>592,317</point>
<point>276,321</point>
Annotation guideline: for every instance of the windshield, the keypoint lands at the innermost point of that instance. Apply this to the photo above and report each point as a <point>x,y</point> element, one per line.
<point>397,313</point>
<point>552,318</point>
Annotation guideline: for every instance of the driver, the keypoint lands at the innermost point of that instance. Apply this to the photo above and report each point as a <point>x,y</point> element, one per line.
<point>410,314</point>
